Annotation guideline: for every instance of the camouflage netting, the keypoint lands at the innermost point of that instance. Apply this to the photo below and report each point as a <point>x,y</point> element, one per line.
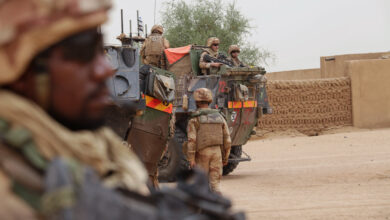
<point>309,106</point>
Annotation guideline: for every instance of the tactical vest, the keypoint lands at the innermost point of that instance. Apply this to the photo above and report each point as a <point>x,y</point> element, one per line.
<point>211,70</point>
<point>154,45</point>
<point>210,132</point>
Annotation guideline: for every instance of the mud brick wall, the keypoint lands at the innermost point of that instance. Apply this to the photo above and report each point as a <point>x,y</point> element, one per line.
<point>309,106</point>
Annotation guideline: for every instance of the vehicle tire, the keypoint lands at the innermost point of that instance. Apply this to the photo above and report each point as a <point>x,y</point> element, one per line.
<point>173,160</point>
<point>235,152</point>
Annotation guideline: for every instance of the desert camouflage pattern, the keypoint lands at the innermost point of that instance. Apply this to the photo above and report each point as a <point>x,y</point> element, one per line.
<point>205,67</point>
<point>100,149</point>
<point>157,28</point>
<point>212,40</point>
<point>209,143</point>
<point>152,49</point>
<point>28,27</point>
<point>210,131</point>
<point>236,61</point>
<point>203,94</point>
<point>44,22</point>
<point>210,160</point>
<point>233,48</point>
<point>11,206</point>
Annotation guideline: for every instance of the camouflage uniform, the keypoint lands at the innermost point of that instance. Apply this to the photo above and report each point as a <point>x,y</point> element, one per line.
<point>206,68</point>
<point>29,138</point>
<point>236,61</point>
<point>153,47</point>
<point>209,141</point>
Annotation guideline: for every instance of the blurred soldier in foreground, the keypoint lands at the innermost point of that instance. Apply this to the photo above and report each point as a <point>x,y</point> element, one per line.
<point>234,51</point>
<point>56,161</point>
<point>153,47</point>
<point>208,68</point>
<point>52,77</point>
<point>208,138</point>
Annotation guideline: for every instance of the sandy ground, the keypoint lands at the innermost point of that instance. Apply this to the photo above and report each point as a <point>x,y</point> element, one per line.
<point>332,176</point>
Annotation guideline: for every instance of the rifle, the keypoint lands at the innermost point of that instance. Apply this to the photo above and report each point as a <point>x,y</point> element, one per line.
<point>190,199</point>
<point>220,59</point>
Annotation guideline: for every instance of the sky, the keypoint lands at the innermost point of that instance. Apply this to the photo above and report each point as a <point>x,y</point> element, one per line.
<point>297,32</point>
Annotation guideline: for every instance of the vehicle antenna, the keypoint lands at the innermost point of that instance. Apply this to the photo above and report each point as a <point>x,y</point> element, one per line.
<point>154,19</point>
<point>138,22</point>
<point>131,34</point>
<point>121,21</point>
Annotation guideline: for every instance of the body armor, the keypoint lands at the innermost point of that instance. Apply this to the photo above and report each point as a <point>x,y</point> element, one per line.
<point>154,45</point>
<point>203,65</point>
<point>210,131</point>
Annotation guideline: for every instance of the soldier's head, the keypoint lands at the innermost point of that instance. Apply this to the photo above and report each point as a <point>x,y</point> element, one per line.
<point>157,29</point>
<point>53,55</point>
<point>203,97</point>
<point>234,51</point>
<point>213,43</point>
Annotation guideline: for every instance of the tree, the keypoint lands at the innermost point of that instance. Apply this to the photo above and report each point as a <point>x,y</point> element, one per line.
<point>192,23</point>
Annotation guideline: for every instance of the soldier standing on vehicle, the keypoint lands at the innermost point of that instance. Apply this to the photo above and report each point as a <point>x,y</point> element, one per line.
<point>212,49</point>
<point>234,51</point>
<point>153,47</point>
<point>53,93</point>
<point>209,140</point>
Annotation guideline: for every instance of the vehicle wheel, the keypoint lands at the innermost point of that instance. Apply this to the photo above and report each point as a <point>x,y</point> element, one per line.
<point>173,160</point>
<point>235,152</point>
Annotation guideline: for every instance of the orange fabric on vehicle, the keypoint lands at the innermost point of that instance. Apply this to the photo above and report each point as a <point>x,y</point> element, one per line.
<point>174,54</point>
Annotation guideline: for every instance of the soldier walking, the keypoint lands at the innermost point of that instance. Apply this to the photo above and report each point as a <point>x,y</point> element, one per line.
<point>153,47</point>
<point>209,140</point>
<point>212,50</point>
<point>234,51</point>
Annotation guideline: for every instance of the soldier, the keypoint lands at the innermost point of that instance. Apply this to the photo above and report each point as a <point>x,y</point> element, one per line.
<point>234,51</point>
<point>52,98</point>
<point>212,49</point>
<point>153,47</point>
<point>208,138</point>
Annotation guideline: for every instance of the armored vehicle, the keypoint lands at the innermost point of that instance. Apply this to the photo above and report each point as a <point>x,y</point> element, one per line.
<point>238,92</point>
<point>143,96</point>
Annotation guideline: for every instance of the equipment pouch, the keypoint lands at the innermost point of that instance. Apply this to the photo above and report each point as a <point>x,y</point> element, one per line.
<point>161,87</point>
<point>241,93</point>
<point>164,88</point>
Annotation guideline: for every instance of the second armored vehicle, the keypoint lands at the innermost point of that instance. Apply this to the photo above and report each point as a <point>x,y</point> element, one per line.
<point>238,92</point>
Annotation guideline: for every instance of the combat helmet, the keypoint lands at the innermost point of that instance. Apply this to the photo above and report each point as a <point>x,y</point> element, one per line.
<point>233,48</point>
<point>43,24</point>
<point>203,94</point>
<point>211,41</point>
<point>157,28</point>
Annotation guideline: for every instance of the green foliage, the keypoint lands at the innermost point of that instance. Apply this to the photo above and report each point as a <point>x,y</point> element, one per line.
<point>193,23</point>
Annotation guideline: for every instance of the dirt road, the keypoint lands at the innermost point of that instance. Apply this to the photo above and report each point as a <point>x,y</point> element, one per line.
<point>336,176</point>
